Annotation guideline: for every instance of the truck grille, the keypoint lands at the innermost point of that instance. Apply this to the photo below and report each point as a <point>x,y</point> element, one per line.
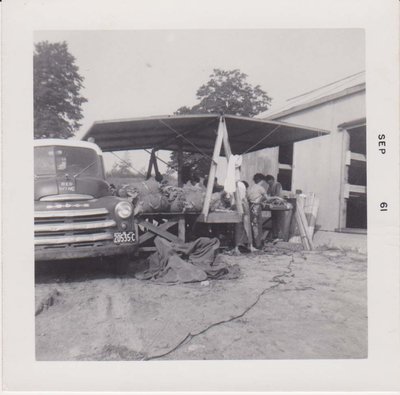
<point>73,228</point>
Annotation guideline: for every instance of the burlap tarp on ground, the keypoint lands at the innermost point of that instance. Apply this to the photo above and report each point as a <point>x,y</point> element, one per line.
<point>187,262</point>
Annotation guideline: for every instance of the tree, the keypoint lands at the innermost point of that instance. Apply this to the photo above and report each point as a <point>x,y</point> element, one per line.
<point>226,92</point>
<point>229,92</point>
<point>56,89</point>
<point>122,168</point>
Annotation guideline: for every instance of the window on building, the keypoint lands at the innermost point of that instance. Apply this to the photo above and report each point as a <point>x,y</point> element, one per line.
<point>358,142</point>
<point>285,158</point>
<point>286,154</point>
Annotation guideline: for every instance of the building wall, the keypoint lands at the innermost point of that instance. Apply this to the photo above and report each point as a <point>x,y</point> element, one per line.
<point>264,161</point>
<point>330,114</point>
<point>317,163</point>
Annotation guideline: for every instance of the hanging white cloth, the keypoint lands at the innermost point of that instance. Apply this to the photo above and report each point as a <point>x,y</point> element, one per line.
<point>234,162</point>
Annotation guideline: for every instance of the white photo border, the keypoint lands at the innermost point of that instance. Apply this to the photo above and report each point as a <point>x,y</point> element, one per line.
<point>379,372</point>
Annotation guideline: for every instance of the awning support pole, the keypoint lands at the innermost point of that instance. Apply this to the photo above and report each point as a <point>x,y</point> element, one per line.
<point>153,162</point>
<point>180,163</point>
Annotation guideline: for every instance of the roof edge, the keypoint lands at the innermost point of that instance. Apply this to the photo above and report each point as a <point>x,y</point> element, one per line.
<point>353,124</point>
<point>67,143</point>
<point>316,102</point>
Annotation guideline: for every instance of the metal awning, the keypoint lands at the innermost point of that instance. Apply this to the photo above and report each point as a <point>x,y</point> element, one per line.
<point>195,133</point>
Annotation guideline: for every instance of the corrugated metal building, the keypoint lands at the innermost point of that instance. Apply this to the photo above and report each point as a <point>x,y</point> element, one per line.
<point>332,166</point>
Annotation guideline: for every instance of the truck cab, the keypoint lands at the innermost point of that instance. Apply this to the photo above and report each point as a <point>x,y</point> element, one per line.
<point>76,213</point>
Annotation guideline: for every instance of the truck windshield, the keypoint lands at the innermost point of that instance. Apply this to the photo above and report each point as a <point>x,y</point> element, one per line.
<point>61,160</point>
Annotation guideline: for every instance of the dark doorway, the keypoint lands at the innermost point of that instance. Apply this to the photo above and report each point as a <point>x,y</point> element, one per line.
<point>356,216</point>
<point>357,212</point>
<point>358,140</point>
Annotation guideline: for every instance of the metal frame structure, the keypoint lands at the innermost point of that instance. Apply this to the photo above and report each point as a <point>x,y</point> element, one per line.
<point>195,134</point>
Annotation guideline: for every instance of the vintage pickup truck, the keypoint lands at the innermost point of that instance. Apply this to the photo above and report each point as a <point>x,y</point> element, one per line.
<point>76,213</point>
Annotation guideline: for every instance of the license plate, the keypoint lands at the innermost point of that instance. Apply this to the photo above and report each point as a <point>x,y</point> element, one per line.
<point>124,237</point>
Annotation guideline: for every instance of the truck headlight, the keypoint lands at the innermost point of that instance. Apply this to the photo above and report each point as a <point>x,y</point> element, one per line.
<point>123,210</point>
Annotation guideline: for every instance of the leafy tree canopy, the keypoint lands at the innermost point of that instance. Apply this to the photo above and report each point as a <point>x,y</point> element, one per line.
<point>122,168</point>
<point>228,92</point>
<point>57,84</point>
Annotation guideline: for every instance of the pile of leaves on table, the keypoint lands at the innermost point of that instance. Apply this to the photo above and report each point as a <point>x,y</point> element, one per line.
<point>276,202</point>
<point>152,197</point>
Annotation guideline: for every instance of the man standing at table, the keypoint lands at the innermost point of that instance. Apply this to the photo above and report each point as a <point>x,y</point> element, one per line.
<point>274,187</point>
<point>256,194</point>
<point>274,190</point>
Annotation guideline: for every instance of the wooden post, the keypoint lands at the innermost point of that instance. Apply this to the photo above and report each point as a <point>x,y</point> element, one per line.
<point>155,164</point>
<point>180,163</point>
<point>150,165</point>
<point>213,168</point>
<point>344,178</point>
<point>305,226</point>
<point>182,228</point>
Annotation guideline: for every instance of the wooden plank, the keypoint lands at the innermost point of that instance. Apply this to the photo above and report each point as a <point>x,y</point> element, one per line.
<point>300,201</point>
<point>167,214</point>
<point>149,235</point>
<point>305,226</point>
<point>355,157</point>
<point>347,158</point>
<point>213,169</point>
<point>299,226</point>
<point>147,249</point>
<point>357,188</point>
<point>304,232</point>
<point>313,218</point>
<point>158,231</point>
<point>308,205</point>
<point>284,166</point>
<point>221,217</point>
<point>346,191</point>
<point>303,237</point>
<point>350,188</point>
<point>182,229</point>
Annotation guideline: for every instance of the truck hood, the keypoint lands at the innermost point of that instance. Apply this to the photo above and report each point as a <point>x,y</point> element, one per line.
<point>52,186</point>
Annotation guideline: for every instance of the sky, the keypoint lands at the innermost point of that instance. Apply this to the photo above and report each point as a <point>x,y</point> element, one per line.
<point>139,73</point>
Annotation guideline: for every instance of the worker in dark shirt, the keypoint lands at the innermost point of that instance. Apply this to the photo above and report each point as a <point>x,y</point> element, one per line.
<point>216,186</point>
<point>274,187</point>
<point>274,190</point>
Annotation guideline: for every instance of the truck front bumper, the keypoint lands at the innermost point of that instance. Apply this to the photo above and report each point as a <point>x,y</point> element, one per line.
<point>46,253</point>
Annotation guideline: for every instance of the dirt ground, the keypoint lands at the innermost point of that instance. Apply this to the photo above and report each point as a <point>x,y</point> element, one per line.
<point>284,305</point>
